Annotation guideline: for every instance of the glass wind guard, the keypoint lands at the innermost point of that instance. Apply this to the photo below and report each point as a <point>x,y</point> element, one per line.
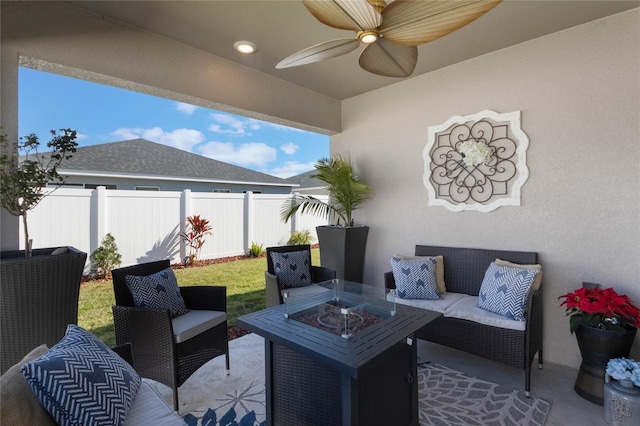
<point>339,307</point>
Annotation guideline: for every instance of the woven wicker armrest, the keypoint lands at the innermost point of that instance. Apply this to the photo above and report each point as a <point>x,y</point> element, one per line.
<point>272,290</point>
<point>389,281</point>
<point>124,351</point>
<point>534,313</point>
<point>320,274</point>
<point>206,298</point>
<point>133,325</point>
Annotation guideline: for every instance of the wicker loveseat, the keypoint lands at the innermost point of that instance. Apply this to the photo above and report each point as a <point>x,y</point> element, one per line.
<point>464,270</point>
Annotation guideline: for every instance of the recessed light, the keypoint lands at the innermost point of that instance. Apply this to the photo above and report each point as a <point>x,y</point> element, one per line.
<point>244,46</point>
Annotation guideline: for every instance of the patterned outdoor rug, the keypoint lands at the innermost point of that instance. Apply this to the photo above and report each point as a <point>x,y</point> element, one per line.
<point>449,397</point>
<point>446,396</point>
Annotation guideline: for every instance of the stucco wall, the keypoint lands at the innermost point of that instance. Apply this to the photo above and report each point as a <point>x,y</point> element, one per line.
<point>579,93</point>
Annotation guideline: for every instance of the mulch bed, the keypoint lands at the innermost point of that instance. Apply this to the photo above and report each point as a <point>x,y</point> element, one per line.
<point>235,332</point>
<point>197,263</point>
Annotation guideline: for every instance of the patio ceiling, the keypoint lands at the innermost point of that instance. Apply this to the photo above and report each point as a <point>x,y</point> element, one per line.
<point>280,28</point>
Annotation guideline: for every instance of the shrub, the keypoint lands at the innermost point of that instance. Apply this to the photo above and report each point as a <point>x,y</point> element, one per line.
<point>195,237</point>
<point>299,238</point>
<point>105,257</point>
<point>256,250</point>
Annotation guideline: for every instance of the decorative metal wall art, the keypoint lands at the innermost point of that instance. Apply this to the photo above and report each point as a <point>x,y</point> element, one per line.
<point>476,162</point>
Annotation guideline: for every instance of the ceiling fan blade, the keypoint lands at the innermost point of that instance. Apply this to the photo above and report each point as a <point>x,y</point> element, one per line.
<point>389,59</point>
<point>320,52</point>
<point>412,23</point>
<point>354,15</point>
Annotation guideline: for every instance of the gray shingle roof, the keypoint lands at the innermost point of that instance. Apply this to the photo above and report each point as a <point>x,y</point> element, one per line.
<point>140,156</point>
<point>306,181</point>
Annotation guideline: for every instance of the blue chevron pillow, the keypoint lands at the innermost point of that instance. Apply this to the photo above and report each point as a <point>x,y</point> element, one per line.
<point>504,290</point>
<point>415,278</point>
<point>159,290</point>
<point>292,268</point>
<point>80,381</point>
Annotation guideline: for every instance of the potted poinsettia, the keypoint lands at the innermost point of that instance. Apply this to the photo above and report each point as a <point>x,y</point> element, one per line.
<point>605,324</point>
<point>40,288</point>
<point>343,244</point>
<point>601,308</point>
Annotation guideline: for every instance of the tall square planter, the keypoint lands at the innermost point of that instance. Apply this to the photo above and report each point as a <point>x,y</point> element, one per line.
<point>343,249</point>
<point>38,299</point>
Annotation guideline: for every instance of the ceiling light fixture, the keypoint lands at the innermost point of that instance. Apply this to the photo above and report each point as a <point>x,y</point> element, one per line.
<point>244,46</point>
<point>368,37</point>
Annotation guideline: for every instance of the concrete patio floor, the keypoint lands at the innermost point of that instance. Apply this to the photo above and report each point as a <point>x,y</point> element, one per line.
<point>554,383</point>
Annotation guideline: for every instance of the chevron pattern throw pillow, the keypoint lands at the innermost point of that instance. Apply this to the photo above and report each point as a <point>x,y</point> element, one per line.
<point>82,382</point>
<point>159,290</point>
<point>292,268</point>
<point>504,290</point>
<point>415,278</point>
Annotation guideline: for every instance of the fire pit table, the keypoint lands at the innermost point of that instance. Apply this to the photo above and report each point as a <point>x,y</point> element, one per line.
<point>343,356</point>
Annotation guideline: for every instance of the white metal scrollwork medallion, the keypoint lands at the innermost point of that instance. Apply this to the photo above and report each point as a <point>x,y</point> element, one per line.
<point>476,162</point>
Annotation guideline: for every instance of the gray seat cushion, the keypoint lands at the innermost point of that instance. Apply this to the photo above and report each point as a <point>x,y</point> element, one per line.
<point>195,322</point>
<point>149,408</point>
<point>298,293</point>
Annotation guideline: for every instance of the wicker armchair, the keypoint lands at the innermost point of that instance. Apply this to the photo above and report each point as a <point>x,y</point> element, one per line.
<point>273,286</point>
<point>156,353</point>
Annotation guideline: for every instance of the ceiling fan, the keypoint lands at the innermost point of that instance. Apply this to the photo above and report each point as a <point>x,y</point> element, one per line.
<point>390,32</point>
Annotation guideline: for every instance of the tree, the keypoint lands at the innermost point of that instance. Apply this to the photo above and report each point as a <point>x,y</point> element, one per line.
<point>24,172</point>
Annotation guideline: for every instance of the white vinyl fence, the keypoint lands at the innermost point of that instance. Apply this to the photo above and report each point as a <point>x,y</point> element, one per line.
<point>147,225</point>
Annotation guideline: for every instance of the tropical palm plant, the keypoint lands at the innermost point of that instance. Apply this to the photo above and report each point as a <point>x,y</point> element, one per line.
<point>346,193</point>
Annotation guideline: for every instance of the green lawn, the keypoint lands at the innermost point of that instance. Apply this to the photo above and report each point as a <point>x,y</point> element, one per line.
<point>244,280</point>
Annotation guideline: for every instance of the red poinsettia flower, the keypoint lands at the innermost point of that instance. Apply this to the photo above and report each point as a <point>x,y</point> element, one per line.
<point>602,308</point>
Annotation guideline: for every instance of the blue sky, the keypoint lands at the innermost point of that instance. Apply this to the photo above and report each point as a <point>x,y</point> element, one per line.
<point>102,114</point>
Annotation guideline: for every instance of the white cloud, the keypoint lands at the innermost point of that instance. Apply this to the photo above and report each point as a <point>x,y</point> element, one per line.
<point>246,154</point>
<point>290,148</point>
<point>186,108</point>
<point>184,139</point>
<point>228,124</point>
<point>81,136</point>
<point>291,168</point>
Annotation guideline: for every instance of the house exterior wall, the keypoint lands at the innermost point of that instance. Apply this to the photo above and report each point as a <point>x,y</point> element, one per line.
<point>173,185</point>
<point>579,93</point>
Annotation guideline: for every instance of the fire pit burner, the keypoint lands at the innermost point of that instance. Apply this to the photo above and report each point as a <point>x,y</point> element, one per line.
<point>331,318</point>
<point>335,320</point>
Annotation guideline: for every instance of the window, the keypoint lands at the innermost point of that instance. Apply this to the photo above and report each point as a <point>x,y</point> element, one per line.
<point>222,191</point>
<point>255,192</point>
<point>94,186</point>
<point>64,185</point>
<point>146,188</point>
